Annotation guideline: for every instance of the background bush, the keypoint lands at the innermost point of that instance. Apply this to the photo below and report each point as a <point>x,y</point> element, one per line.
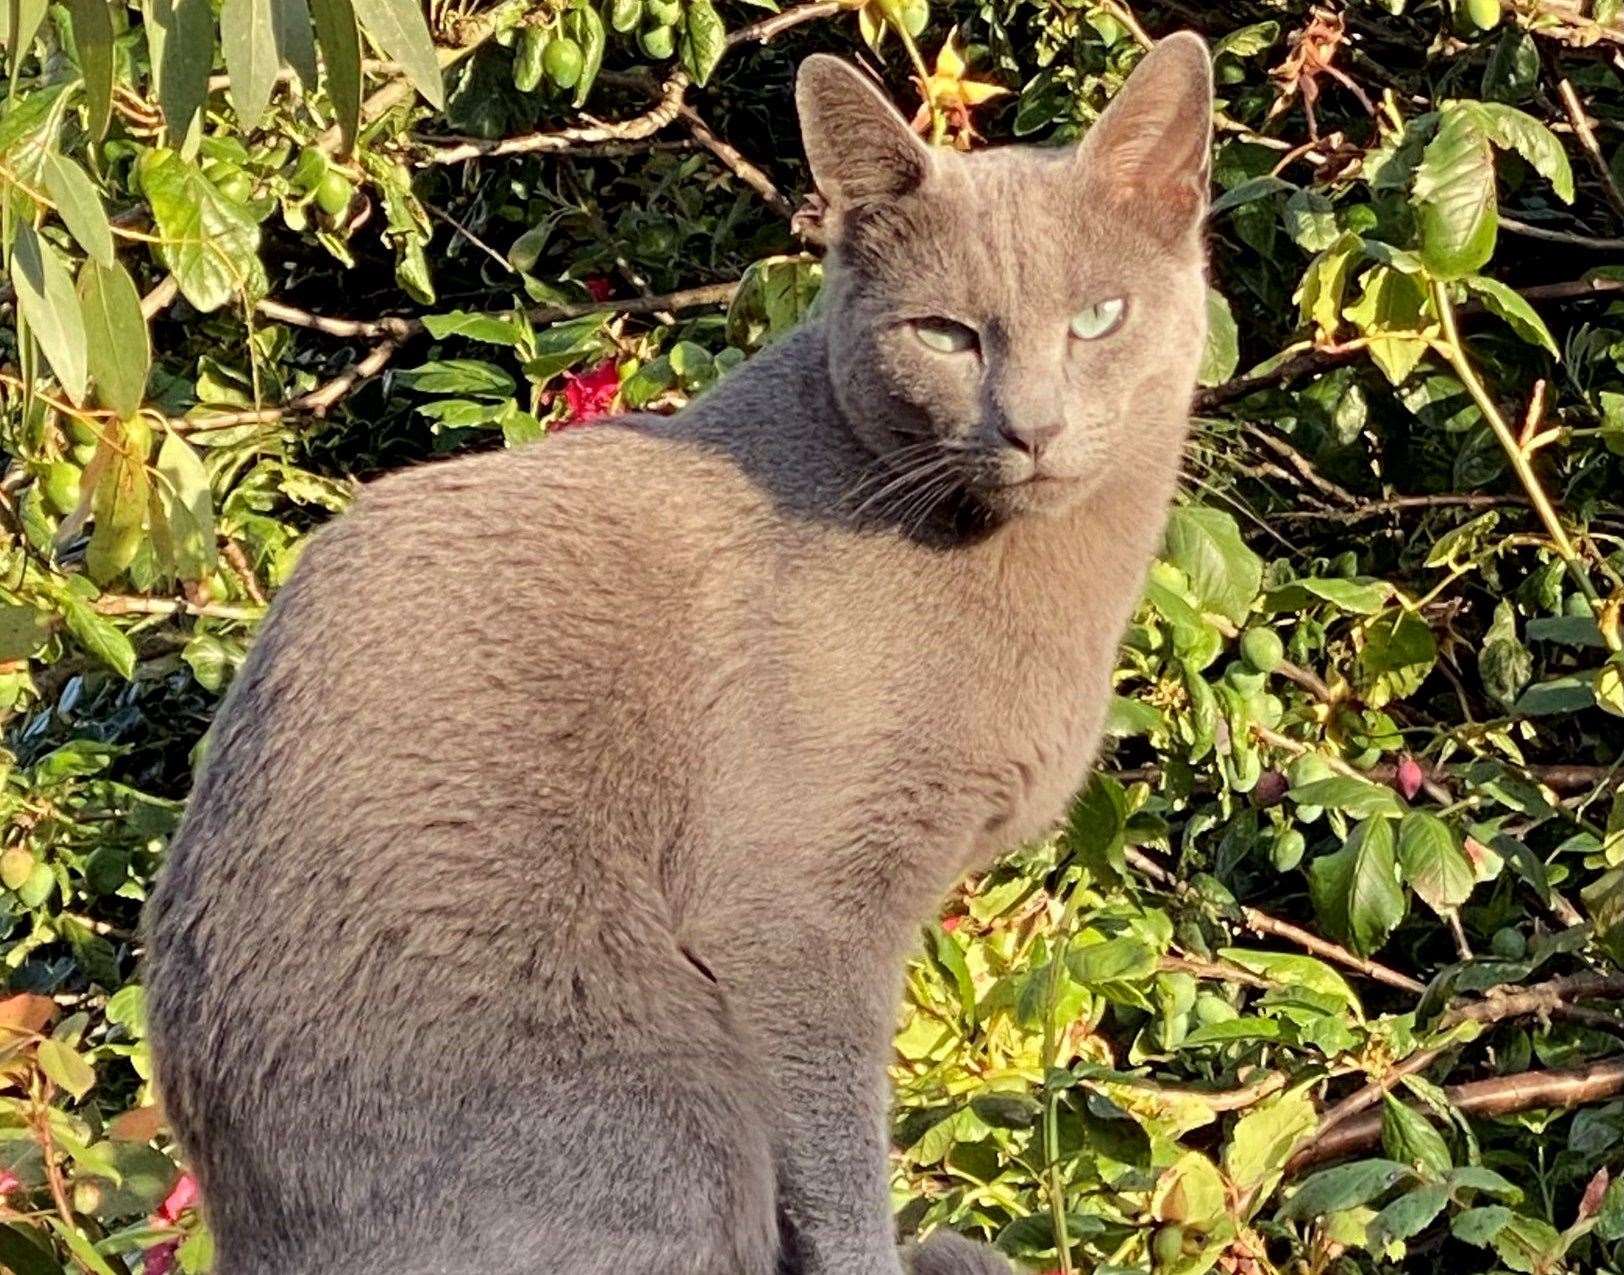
<point>1323,972</point>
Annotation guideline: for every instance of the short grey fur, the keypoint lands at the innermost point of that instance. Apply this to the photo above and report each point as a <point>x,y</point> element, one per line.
<point>543,901</point>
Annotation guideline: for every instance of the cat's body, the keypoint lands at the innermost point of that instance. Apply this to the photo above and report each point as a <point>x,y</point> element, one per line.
<point>543,903</point>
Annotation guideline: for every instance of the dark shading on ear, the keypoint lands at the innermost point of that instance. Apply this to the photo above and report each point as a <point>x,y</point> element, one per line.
<point>1150,149</point>
<point>860,149</point>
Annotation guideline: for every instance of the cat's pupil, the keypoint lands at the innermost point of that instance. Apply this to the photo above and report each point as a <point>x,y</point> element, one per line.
<point>1095,321</point>
<point>945,336</point>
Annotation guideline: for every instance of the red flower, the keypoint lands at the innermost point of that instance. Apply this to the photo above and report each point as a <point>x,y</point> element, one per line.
<point>9,1182</point>
<point>160,1258</point>
<point>590,394</point>
<point>182,1196</point>
<point>598,287</point>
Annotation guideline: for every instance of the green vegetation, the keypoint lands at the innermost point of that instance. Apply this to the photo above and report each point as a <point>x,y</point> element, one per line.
<point>1323,973</point>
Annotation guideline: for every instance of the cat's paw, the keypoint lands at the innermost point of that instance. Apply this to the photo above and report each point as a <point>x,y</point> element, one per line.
<point>945,1253</point>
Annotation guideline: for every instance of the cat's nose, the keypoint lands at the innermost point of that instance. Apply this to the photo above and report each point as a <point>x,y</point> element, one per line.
<point>1032,439</point>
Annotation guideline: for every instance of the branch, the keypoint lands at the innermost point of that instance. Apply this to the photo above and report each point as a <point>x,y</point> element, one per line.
<point>1587,139</point>
<point>1502,1095</point>
<point>734,159</point>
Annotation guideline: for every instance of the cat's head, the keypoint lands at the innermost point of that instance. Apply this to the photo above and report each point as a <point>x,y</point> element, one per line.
<point>1022,322</point>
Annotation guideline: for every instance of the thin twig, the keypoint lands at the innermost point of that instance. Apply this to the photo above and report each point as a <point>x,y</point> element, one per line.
<point>734,159</point>
<point>1592,148</point>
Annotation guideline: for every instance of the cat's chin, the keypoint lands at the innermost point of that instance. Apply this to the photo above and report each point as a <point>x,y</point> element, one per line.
<point>1035,497</point>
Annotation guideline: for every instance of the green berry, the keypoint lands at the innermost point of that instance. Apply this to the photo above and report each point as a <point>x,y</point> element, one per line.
<point>564,60</point>
<point>1509,943</point>
<point>657,42</point>
<point>1168,1246</point>
<point>59,485</point>
<point>334,194</point>
<point>1262,649</point>
<point>1287,851</point>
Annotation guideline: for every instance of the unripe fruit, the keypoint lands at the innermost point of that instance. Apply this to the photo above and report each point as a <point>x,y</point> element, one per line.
<point>1482,14</point>
<point>334,194</point>
<point>564,60</point>
<point>82,453</point>
<point>1509,943</point>
<point>59,485</point>
<point>1248,681</point>
<point>663,13</point>
<point>1168,1246</point>
<point>1287,851</point>
<point>1262,649</point>
<point>16,866</point>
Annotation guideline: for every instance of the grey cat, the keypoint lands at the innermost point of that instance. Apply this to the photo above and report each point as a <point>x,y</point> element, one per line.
<point>543,902</point>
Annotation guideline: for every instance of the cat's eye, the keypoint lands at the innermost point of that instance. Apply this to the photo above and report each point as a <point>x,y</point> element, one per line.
<point>945,336</point>
<point>1092,322</point>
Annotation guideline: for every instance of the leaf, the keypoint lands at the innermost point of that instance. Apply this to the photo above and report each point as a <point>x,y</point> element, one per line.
<point>66,1067</point>
<point>458,376</point>
<point>211,243</point>
<point>702,40</point>
<point>587,28</point>
<point>21,1254</point>
<point>1222,352</point>
<point>1345,1187</point>
<point>1455,195</point>
<point>48,304</point>
<point>1434,862</point>
<point>99,635</point>
<point>119,502</point>
<point>1509,305</point>
<point>248,41</point>
<point>78,204</point>
<point>1389,314</point>
<point>294,45</point>
<point>1361,596</point>
<point>93,41</point>
<point>116,334</point>
<point>1293,970</point>
<point>399,28</point>
<point>1409,1138</point>
<point>1115,960</point>
<point>22,25</point>
<point>1355,891</point>
<point>183,487</point>
<point>1206,545</point>
<point>1265,1137</point>
<point>180,35</point>
<point>1396,656</point>
<point>1504,663</point>
<point>341,54</point>
<point>22,632</point>
<point>1408,1215</point>
<point>1511,129</point>
<point>1357,797</point>
<point>1320,295</point>
<point>498,329</point>
<point>1560,695</point>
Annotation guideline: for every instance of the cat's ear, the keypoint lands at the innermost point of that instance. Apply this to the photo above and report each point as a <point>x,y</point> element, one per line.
<point>860,149</point>
<point>1149,151</point>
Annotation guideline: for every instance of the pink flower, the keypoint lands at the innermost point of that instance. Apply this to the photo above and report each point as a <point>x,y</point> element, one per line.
<point>1408,777</point>
<point>9,1182</point>
<point>160,1258</point>
<point>182,1196</point>
<point>598,287</point>
<point>590,394</point>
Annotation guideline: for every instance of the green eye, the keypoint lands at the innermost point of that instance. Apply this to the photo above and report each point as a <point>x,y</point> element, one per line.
<point>1096,320</point>
<point>944,336</point>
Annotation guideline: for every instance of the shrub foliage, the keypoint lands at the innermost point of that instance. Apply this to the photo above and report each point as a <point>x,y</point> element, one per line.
<point>1322,973</point>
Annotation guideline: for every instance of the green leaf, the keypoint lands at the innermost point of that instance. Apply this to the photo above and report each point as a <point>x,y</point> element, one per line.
<point>588,31</point>
<point>1409,1138</point>
<point>1558,696</point>
<point>50,307</point>
<point>188,506</point>
<point>1222,353</point>
<point>93,41</point>
<point>401,31</point>
<point>1509,305</point>
<point>341,54</point>
<point>1293,970</point>
<point>1389,314</point>
<point>1113,961</point>
<point>1206,545</point>
<point>1357,797</point>
<point>458,376</point>
<point>119,503</point>
<point>211,243</point>
<point>702,39</point>
<point>180,35</point>
<point>22,1254</point>
<point>116,332</point>
<point>248,40</point>
<point>1355,891</point>
<point>1504,663</point>
<point>22,25</point>
<point>1320,295</point>
<point>23,630</point>
<point>1511,129</point>
<point>1360,596</point>
<point>1265,1137</point>
<point>497,329</point>
<point>1455,196</point>
<point>1345,1187</point>
<point>294,44</point>
<point>78,204</point>
<point>1434,861</point>
<point>1408,1215</point>
<point>66,1067</point>
<point>1397,655</point>
<point>99,635</point>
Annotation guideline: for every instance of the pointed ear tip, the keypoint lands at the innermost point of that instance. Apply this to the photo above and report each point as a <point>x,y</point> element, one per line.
<point>823,68</point>
<point>1189,51</point>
